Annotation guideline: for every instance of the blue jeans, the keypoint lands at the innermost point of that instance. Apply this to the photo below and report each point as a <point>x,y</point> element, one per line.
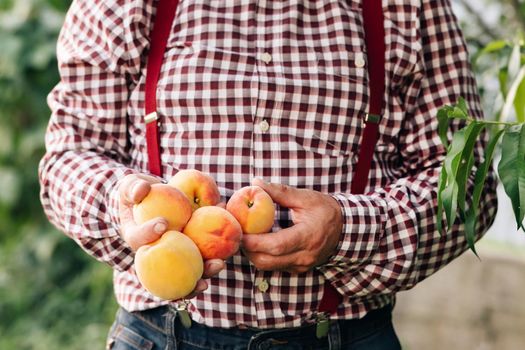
<point>160,329</point>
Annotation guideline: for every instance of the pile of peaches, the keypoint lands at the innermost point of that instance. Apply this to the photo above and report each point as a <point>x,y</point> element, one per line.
<point>199,228</point>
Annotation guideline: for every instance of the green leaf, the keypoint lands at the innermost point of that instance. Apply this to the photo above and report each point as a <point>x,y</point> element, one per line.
<point>466,163</point>
<point>458,113</point>
<point>479,185</point>
<point>491,47</point>
<point>462,105</point>
<point>452,161</point>
<point>449,197</point>
<point>519,102</point>
<point>494,46</point>
<point>470,234</point>
<point>503,78</point>
<point>441,186</point>
<point>515,60</point>
<point>511,170</point>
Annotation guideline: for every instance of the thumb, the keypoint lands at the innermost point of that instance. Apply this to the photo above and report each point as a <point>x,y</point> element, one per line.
<point>283,195</point>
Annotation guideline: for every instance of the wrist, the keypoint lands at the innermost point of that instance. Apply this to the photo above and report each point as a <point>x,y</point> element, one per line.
<point>337,223</point>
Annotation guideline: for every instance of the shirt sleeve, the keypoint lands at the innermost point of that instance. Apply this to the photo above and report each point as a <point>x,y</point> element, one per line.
<point>390,240</point>
<point>86,140</point>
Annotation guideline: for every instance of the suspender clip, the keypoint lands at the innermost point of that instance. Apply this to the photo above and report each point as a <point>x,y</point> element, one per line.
<point>183,314</point>
<point>151,117</point>
<point>322,327</point>
<point>372,118</point>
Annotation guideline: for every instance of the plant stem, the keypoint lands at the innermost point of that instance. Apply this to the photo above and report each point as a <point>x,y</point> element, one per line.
<point>511,94</point>
<point>493,122</point>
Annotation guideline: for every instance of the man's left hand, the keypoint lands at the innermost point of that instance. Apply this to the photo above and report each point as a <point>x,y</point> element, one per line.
<point>313,238</point>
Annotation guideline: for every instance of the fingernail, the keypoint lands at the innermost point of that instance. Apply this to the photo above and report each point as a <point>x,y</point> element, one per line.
<point>160,227</point>
<point>255,179</point>
<point>134,189</point>
<point>216,266</point>
<point>201,289</point>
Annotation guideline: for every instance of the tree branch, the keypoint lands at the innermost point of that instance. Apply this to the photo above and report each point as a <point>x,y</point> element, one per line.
<point>518,14</point>
<point>491,32</point>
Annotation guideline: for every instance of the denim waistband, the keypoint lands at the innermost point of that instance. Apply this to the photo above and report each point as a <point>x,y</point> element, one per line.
<point>341,331</point>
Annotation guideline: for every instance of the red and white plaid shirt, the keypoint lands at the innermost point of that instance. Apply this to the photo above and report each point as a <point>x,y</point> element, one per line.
<point>271,89</point>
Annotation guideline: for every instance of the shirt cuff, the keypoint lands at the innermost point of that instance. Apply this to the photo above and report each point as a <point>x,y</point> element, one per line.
<point>363,225</point>
<point>364,218</point>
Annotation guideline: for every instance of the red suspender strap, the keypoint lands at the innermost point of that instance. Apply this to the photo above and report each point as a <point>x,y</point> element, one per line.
<point>166,10</point>
<point>373,23</point>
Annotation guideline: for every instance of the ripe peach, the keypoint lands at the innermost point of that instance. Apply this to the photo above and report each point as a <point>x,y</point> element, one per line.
<point>215,231</point>
<point>200,188</point>
<point>167,202</point>
<point>170,267</point>
<point>253,208</point>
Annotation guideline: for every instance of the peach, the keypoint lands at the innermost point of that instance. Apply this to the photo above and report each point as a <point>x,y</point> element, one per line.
<point>200,188</point>
<point>215,231</point>
<point>253,208</point>
<point>167,202</point>
<point>170,267</point>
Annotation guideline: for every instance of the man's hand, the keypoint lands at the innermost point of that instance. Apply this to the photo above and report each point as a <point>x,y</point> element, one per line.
<point>312,239</point>
<point>132,190</point>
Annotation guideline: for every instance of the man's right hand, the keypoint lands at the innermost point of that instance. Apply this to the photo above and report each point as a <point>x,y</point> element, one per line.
<point>132,190</point>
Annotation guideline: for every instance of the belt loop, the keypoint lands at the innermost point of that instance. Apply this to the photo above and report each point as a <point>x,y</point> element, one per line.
<point>170,318</point>
<point>256,342</point>
<point>334,337</point>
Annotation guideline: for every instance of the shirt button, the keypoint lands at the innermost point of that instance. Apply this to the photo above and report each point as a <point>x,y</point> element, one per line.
<point>263,286</point>
<point>264,126</point>
<point>266,57</point>
<point>359,60</point>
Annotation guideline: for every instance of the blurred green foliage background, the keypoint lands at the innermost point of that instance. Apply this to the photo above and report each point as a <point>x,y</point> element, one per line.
<point>52,295</point>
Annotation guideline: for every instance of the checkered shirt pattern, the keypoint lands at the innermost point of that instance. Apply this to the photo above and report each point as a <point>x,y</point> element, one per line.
<point>229,68</point>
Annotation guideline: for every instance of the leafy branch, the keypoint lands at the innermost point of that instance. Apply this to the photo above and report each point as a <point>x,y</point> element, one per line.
<point>459,160</point>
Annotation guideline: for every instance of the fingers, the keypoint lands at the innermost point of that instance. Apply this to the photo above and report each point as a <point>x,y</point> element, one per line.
<point>282,250</point>
<point>138,235</point>
<point>135,187</point>
<point>201,286</point>
<point>213,267</point>
<point>286,196</point>
<point>282,242</point>
<point>297,262</point>
<point>132,190</point>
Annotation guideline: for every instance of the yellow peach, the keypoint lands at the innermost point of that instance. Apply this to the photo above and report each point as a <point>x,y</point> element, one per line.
<point>253,208</point>
<point>170,267</point>
<point>167,202</point>
<point>215,231</point>
<point>200,188</point>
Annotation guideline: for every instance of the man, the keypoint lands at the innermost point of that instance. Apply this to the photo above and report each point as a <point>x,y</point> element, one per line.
<point>272,93</point>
